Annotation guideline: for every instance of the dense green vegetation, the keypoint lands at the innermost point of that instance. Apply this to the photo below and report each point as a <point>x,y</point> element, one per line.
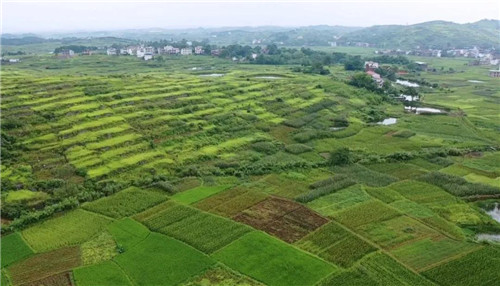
<point>199,170</point>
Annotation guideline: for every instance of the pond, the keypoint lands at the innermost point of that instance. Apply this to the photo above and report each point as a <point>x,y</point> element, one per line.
<point>488,237</point>
<point>409,97</point>
<point>388,121</point>
<point>475,81</point>
<point>212,75</point>
<point>269,77</point>
<point>495,214</point>
<point>420,110</point>
<point>336,128</point>
<point>407,83</point>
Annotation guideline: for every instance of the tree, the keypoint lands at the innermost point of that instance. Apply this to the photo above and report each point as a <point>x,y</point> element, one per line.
<point>354,63</point>
<point>341,156</point>
<point>365,81</point>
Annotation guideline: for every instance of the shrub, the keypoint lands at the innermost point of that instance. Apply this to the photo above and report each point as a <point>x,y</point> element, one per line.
<point>165,186</point>
<point>265,147</point>
<point>341,156</point>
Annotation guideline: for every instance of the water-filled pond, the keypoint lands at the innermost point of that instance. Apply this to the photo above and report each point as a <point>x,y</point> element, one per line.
<point>495,214</point>
<point>388,121</point>
<point>269,77</point>
<point>212,75</point>
<point>419,110</point>
<point>407,83</point>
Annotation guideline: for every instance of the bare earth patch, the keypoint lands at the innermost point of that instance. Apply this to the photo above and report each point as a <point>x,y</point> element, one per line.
<point>287,220</point>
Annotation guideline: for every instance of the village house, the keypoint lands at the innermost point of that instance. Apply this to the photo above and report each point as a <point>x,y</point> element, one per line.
<point>215,53</point>
<point>495,73</point>
<point>111,52</point>
<point>186,51</point>
<point>87,53</point>
<point>14,60</point>
<point>131,50</point>
<point>123,52</point>
<point>148,56</point>
<point>65,54</point>
<point>198,50</point>
<point>421,66</point>
<point>376,77</point>
<point>171,50</point>
<point>141,51</point>
<point>371,66</point>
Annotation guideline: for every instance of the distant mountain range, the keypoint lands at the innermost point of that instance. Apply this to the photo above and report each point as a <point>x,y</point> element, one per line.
<point>435,34</point>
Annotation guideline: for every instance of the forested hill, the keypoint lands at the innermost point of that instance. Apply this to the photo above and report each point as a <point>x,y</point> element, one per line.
<point>435,34</point>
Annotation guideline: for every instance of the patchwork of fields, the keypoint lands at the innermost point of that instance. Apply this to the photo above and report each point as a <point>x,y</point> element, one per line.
<point>145,176</point>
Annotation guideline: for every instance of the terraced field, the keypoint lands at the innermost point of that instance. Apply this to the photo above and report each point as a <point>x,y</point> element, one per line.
<point>135,173</point>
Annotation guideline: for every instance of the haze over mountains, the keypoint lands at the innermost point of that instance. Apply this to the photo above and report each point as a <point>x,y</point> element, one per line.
<point>434,34</point>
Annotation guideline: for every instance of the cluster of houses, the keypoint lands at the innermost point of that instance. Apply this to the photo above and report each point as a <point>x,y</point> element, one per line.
<point>10,61</point>
<point>147,53</point>
<point>66,54</point>
<point>480,56</point>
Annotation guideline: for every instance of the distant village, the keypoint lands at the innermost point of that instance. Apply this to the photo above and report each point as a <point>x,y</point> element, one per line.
<point>476,55</point>
<point>148,53</point>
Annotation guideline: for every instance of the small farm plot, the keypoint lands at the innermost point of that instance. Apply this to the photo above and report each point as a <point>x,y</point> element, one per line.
<point>71,228</point>
<point>425,253</point>
<point>395,231</point>
<point>220,275</point>
<point>377,269</point>
<point>365,213</point>
<point>385,194</point>
<point>199,193</point>
<point>363,175</point>
<point>100,248</point>
<point>335,244</point>
<point>44,265</point>
<point>263,258</point>
<point>14,249</point>
<point>488,163</point>
<point>60,279</point>
<point>160,260</point>
<point>127,232</point>
<point>428,217</point>
<point>402,171</point>
<point>232,201</point>
<point>106,273</point>
<point>126,202</point>
<point>201,230</point>
<point>344,198</point>
<point>439,201</point>
<point>481,267</point>
<point>282,218</point>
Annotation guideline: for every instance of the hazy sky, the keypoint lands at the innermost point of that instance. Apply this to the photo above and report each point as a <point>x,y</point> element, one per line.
<point>38,16</point>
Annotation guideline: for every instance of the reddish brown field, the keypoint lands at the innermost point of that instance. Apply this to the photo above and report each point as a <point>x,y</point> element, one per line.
<point>287,220</point>
<point>61,279</point>
<point>44,265</point>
